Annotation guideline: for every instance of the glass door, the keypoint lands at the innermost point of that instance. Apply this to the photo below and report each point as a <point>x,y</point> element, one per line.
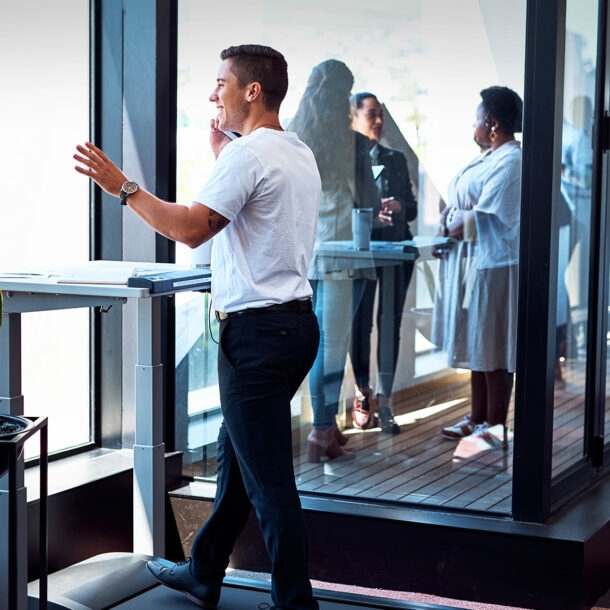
<point>581,403</point>
<point>601,427</point>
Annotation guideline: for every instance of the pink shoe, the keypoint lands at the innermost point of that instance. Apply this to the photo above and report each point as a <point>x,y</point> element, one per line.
<point>361,410</point>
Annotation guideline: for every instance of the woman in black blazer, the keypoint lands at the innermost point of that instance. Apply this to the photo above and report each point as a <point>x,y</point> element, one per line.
<point>398,208</point>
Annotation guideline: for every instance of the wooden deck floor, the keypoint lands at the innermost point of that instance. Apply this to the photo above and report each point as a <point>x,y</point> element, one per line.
<point>419,466</point>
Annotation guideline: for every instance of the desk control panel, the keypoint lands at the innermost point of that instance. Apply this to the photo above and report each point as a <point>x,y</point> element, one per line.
<point>198,278</point>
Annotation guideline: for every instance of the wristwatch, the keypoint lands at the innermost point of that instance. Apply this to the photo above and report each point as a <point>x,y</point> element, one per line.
<point>128,188</point>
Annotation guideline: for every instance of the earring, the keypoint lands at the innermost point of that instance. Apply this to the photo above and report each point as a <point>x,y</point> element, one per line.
<point>493,135</point>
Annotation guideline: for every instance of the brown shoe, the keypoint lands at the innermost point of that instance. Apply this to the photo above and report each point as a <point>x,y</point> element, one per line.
<point>323,444</point>
<point>341,438</point>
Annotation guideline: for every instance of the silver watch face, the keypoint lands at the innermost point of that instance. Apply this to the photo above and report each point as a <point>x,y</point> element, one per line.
<point>129,188</point>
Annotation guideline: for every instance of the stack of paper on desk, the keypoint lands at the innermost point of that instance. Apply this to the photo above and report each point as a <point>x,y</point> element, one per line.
<point>109,272</point>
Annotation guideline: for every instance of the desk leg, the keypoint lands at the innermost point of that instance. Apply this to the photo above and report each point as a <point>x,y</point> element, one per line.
<point>11,399</point>
<point>11,403</point>
<point>149,449</point>
<point>13,539</point>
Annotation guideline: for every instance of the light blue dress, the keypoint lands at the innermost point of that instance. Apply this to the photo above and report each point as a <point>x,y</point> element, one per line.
<point>475,308</point>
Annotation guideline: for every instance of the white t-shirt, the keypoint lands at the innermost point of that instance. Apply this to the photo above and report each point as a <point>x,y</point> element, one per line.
<point>267,184</point>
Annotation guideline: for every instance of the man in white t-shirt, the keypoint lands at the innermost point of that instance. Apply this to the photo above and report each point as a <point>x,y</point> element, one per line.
<point>261,206</point>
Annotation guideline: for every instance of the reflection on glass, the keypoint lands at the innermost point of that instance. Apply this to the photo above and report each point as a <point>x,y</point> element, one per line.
<point>574,228</point>
<point>342,155</point>
<point>197,411</point>
<point>398,52</point>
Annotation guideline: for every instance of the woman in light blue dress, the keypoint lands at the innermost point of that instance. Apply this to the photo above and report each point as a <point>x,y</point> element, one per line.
<point>475,315</point>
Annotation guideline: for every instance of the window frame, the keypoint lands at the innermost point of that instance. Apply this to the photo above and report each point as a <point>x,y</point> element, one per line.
<point>134,68</point>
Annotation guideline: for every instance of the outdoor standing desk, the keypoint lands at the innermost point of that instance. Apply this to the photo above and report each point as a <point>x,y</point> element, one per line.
<point>342,256</point>
<point>23,293</point>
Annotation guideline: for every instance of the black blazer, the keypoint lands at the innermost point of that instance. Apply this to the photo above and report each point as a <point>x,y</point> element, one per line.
<point>366,193</point>
<point>394,181</point>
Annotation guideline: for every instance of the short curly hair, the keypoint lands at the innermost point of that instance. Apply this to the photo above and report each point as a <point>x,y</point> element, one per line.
<point>257,63</point>
<point>505,106</point>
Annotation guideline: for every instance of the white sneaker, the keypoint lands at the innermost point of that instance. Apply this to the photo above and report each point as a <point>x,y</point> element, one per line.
<point>463,428</point>
<point>490,437</point>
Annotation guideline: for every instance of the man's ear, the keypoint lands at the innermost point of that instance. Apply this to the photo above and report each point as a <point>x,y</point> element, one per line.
<point>253,91</point>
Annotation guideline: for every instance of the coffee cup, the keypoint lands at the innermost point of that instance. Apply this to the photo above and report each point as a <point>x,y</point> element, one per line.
<point>362,225</point>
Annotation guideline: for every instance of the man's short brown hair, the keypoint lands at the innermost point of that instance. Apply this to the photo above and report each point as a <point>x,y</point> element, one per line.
<point>257,63</point>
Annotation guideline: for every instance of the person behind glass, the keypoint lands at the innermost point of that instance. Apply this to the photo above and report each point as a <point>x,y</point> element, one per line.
<point>269,334</point>
<point>322,121</point>
<point>475,310</point>
<point>399,205</point>
<point>576,183</point>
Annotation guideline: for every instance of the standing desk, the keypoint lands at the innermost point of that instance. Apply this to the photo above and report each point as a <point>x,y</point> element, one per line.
<point>341,256</point>
<point>30,292</point>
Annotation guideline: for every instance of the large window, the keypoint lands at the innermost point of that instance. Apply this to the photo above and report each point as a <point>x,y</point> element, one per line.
<point>45,101</point>
<point>426,61</point>
<point>574,233</point>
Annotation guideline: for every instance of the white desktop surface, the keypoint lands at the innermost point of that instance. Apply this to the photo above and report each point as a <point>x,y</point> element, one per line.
<point>93,278</point>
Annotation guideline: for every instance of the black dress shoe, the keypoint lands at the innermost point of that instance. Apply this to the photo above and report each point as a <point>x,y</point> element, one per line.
<point>387,422</point>
<point>178,576</point>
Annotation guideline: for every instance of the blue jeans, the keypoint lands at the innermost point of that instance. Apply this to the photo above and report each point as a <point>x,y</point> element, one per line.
<point>262,360</point>
<point>334,302</point>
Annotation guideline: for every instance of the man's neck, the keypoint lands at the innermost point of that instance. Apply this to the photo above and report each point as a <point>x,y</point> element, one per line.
<point>271,120</point>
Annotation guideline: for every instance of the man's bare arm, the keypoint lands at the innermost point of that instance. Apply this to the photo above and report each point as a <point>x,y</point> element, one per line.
<point>191,225</point>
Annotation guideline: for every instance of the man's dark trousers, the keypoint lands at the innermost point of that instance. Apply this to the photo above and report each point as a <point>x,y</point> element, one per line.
<point>263,358</point>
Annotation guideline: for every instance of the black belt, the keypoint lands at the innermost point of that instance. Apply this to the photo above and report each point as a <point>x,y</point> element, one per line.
<point>289,307</point>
